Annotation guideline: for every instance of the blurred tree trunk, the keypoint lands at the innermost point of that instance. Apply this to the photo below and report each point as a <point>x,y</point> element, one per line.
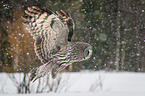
<point>123,57</point>
<point>138,54</point>
<point>118,38</point>
<point>143,62</point>
<point>70,67</point>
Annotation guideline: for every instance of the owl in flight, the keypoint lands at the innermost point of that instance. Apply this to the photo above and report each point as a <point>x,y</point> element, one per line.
<point>52,33</point>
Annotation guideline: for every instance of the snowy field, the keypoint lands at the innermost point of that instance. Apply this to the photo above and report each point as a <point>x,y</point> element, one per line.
<point>85,83</point>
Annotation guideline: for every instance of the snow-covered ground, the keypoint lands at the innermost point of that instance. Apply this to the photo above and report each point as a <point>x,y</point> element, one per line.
<point>81,94</point>
<point>85,83</point>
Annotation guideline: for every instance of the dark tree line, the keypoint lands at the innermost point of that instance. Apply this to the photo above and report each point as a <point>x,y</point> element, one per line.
<point>115,29</point>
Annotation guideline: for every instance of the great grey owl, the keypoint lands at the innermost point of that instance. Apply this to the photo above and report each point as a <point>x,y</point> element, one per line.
<point>52,33</point>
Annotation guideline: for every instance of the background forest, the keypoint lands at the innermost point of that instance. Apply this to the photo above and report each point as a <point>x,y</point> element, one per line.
<point>115,29</point>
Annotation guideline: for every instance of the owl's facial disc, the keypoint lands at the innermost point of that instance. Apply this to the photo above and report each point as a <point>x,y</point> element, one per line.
<point>88,52</point>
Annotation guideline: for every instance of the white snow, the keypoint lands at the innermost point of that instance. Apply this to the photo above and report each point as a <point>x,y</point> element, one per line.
<point>81,94</point>
<point>85,83</point>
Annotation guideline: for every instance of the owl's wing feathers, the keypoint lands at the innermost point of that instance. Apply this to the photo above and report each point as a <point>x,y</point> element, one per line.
<point>51,31</point>
<point>66,18</point>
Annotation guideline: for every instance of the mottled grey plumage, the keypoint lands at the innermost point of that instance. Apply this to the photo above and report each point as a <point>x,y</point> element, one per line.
<point>52,33</point>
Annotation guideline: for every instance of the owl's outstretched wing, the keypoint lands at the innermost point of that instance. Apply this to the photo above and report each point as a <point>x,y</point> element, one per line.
<point>51,31</point>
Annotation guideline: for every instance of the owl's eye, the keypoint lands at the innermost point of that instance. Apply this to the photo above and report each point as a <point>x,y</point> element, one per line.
<point>86,54</point>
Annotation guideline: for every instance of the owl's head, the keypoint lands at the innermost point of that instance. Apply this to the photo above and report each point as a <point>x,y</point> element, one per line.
<point>80,51</point>
<point>88,52</point>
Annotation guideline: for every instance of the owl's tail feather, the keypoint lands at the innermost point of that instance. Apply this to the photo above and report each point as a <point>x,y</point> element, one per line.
<point>57,69</point>
<point>40,71</point>
<point>45,69</point>
<point>33,73</point>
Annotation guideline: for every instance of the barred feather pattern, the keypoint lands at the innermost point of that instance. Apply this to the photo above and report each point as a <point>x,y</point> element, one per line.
<point>58,62</point>
<point>72,52</point>
<point>52,33</point>
<point>48,30</point>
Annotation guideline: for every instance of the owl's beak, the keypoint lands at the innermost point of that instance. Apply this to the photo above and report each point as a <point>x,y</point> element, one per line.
<point>86,58</point>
